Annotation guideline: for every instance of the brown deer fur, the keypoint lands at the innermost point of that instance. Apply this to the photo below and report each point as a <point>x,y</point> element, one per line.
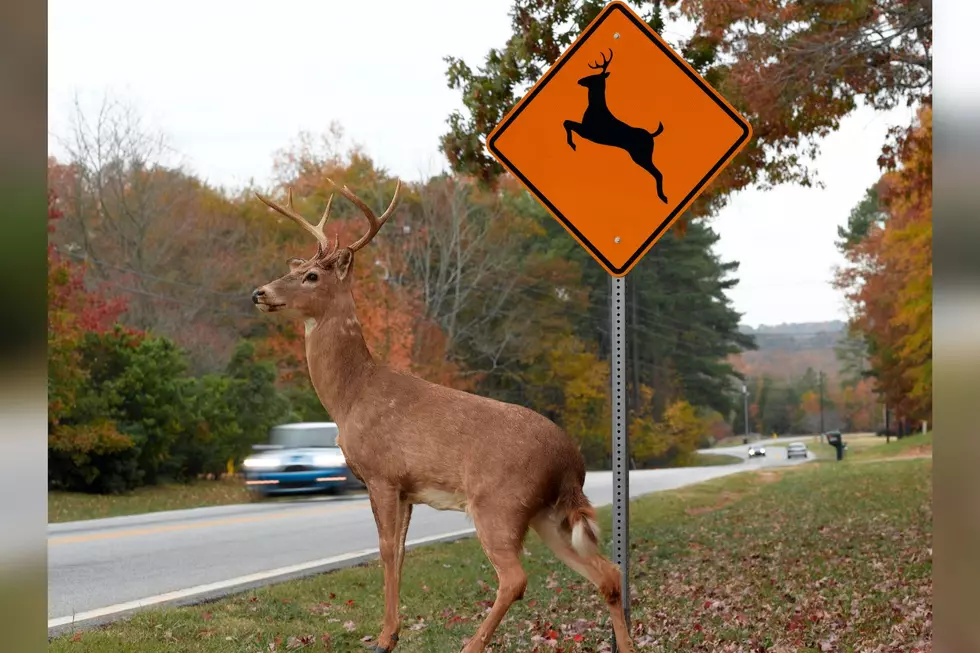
<point>411,442</point>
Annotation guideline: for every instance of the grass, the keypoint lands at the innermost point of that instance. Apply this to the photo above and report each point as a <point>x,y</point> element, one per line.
<point>819,557</point>
<point>73,506</point>
<point>872,447</point>
<point>912,445</point>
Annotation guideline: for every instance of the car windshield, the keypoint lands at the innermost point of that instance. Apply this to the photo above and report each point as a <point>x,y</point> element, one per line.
<point>294,437</point>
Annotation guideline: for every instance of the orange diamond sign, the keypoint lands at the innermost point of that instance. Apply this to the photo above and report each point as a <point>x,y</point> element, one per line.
<point>618,138</point>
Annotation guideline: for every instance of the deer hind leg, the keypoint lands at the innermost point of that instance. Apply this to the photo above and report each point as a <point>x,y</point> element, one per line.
<point>597,568</point>
<point>392,514</point>
<point>571,126</point>
<point>502,537</point>
<point>643,157</point>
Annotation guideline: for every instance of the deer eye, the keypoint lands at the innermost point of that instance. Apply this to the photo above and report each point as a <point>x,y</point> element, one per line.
<point>311,276</point>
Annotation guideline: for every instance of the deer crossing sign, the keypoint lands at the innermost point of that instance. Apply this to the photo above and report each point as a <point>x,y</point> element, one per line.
<point>618,138</point>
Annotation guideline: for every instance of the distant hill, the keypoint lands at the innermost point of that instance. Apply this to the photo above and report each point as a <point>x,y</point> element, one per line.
<point>787,350</point>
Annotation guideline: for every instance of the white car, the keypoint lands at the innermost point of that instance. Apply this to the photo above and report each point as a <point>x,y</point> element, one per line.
<point>796,450</point>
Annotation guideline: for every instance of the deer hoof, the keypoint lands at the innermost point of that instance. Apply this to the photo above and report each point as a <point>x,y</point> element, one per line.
<point>382,649</point>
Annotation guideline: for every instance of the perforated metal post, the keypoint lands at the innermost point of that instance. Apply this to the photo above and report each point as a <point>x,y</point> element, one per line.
<point>620,444</point>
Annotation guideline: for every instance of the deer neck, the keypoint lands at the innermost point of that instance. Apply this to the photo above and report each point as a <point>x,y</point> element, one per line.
<point>597,98</point>
<point>339,360</point>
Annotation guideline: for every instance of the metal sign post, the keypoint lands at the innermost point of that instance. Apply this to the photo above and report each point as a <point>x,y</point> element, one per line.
<point>620,443</point>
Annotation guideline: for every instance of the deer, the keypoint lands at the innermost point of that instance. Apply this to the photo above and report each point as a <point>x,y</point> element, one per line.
<point>600,126</point>
<point>414,442</point>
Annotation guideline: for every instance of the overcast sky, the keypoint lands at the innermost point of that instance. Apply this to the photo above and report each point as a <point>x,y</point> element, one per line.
<point>232,82</point>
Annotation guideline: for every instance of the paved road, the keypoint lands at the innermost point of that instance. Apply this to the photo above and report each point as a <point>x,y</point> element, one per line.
<point>101,569</point>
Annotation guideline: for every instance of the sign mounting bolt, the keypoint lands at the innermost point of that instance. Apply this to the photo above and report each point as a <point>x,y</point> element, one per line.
<point>616,35</point>
<point>616,240</point>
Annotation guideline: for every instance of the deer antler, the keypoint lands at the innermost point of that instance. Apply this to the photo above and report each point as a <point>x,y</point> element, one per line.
<point>605,62</point>
<point>374,221</point>
<point>323,242</point>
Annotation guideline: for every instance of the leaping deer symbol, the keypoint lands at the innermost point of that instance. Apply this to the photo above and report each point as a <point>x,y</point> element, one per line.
<point>600,126</point>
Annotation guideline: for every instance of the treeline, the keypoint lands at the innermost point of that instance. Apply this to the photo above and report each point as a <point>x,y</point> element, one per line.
<point>810,403</point>
<point>887,280</point>
<point>794,71</point>
<point>123,409</point>
<point>473,287</point>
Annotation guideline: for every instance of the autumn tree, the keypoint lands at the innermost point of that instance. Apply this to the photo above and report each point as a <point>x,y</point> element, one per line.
<point>888,277</point>
<point>73,311</point>
<point>151,231</point>
<point>794,69</point>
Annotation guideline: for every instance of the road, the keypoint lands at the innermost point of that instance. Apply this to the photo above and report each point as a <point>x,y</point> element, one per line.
<point>102,569</point>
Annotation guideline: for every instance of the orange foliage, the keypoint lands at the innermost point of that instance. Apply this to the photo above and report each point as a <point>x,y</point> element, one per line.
<point>857,405</point>
<point>889,278</point>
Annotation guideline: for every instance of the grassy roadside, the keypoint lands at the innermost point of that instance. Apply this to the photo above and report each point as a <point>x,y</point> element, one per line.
<point>818,557</point>
<point>874,448</point>
<point>912,445</point>
<point>73,506</point>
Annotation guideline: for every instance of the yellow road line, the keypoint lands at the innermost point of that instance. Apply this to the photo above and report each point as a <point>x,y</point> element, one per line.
<point>170,528</point>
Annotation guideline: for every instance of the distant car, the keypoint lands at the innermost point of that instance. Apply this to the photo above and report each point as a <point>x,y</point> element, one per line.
<point>796,450</point>
<point>757,450</point>
<point>300,458</point>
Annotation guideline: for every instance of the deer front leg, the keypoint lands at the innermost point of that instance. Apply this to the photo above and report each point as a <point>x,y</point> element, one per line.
<point>392,514</point>
<point>571,126</point>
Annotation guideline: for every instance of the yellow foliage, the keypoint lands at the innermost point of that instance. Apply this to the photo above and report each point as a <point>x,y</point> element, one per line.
<point>675,437</point>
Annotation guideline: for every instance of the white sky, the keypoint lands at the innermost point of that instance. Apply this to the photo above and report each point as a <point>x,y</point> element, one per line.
<point>232,82</point>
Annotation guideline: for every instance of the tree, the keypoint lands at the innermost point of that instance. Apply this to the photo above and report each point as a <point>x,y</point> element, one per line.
<point>79,449</point>
<point>794,69</point>
<point>888,278</point>
<point>151,231</point>
<point>254,399</point>
<point>673,439</point>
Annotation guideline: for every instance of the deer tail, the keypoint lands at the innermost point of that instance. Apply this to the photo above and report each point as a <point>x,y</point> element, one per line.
<point>660,128</point>
<point>580,516</point>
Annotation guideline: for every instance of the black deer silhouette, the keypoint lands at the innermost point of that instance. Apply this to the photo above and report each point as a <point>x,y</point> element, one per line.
<point>600,126</point>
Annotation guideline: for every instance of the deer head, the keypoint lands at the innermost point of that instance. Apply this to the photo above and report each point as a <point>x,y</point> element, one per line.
<point>598,79</point>
<point>315,287</point>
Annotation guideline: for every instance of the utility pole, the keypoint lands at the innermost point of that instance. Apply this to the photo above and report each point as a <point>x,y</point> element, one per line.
<point>745,408</point>
<point>821,402</point>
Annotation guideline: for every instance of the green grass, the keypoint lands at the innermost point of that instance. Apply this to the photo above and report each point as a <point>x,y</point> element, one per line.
<point>871,447</point>
<point>817,557</point>
<point>72,506</point>
<point>911,445</point>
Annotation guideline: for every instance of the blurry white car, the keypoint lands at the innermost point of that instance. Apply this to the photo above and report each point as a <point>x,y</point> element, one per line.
<point>300,458</point>
<point>796,450</point>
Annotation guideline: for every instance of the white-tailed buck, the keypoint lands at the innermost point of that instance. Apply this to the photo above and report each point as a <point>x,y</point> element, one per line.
<point>600,126</point>
<point>411,442</point>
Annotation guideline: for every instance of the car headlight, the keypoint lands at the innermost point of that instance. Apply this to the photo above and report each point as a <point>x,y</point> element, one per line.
<point>261,462</point>
<point>329,460</point>
<point>762,450</point>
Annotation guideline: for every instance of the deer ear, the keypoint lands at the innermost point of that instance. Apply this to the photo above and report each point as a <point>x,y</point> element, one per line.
<point>295,263</point>
<point>342,262</point>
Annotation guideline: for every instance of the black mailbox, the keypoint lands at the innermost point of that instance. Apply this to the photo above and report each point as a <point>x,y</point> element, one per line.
<point>835,440</point>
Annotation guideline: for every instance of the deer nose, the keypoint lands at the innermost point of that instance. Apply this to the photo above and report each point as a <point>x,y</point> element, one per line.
<point>258,292</point>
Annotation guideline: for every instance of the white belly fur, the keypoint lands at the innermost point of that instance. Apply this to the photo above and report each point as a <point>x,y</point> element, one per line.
<point>440,499</point>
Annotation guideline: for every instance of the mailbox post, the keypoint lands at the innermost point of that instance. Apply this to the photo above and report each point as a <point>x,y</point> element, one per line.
<point>835,440</point>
